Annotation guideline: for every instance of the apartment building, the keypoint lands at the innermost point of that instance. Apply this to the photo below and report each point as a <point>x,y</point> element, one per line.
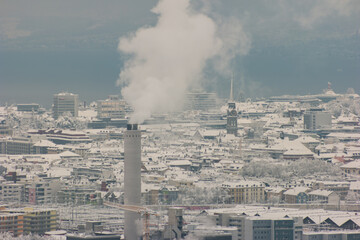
<point>12,223</point>
<point>245,191</point>
<point>11,192</point>
<point>29,220</point>
<point>42,192</point>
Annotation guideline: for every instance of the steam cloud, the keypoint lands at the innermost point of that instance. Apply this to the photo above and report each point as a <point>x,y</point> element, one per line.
<point>166,59</point>
<point>324,8</point>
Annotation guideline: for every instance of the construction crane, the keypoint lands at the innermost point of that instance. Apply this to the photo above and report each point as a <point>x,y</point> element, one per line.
<point>144,212</point>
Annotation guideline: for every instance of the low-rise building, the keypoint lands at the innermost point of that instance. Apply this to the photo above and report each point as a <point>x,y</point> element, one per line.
<point>341,188</point>
<point>77,195</point>
<point>245,191</point>
<point>333,235</point>
<point>153,194</point>
<point>28,107</point>
<point>274,194</point>
<point>296,195</point>
<point>324,196</point>
<point>351,168</point>
<point>258,227</point>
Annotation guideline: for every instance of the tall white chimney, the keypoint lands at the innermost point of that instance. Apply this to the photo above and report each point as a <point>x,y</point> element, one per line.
<point>132,180</point>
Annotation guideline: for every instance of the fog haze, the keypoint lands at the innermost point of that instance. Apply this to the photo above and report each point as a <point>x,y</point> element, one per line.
<point>295,47</point>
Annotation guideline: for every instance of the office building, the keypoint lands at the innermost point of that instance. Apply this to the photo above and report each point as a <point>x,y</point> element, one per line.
<point>28,107</point>
<point>257,227</point>
<point>200,101</point>
<point>316,119</point>
<point>113,107</point>
<point>65,102</point>
<point>269,229</point>
<point>16,146</point>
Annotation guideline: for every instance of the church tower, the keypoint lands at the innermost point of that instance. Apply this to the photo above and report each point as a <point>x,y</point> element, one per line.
<point>231,125</point>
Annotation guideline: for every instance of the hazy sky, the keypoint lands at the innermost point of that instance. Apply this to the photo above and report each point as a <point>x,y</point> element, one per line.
<point>282,46</point>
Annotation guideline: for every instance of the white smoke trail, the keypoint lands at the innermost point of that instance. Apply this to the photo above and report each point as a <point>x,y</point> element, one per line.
<point>168,58</point>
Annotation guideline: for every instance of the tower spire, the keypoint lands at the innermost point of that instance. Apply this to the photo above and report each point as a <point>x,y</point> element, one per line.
<point>231,88</point>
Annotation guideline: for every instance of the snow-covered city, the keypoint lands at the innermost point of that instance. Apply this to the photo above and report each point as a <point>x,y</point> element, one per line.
<point>215,169</point>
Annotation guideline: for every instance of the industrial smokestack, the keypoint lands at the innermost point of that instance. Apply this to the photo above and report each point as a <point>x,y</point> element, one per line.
<point>132,179</point>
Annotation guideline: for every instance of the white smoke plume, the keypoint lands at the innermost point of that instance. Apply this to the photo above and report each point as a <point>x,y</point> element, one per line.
<point>321,9</point>
<point>166,59</point>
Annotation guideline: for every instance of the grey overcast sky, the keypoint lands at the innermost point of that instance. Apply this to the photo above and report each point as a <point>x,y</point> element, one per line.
<point>294,47</point>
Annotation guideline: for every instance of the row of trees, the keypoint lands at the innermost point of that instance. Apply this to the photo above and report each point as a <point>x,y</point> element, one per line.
<point>302,167</point>
<point>9,236</point>
<point>22,124</point>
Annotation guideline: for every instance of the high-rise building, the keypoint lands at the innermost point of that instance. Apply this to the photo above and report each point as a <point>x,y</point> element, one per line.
<point>200,101</point>
<point>315,119</point>
<point>65,102</point>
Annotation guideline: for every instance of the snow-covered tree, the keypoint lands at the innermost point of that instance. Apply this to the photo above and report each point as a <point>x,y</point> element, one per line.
<point>67,121</point>
<point>302,167</point>
<point>202,195</point>
<point>9,236</point>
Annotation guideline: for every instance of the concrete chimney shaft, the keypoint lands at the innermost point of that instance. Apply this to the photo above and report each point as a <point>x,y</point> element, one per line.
<point>132,180</point>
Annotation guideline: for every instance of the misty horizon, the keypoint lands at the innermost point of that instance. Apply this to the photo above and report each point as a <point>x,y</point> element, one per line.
<point>294,52</point>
